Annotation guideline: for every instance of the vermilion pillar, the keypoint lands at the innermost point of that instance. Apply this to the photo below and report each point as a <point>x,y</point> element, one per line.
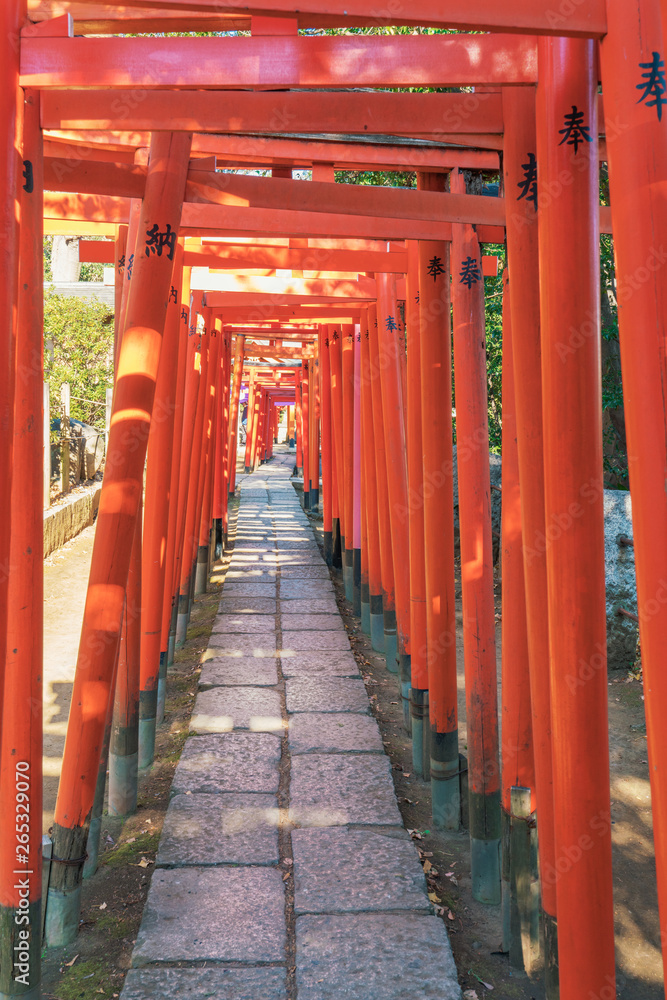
<point>116,520</point>
<point>384,525</point>
<point>299,424</point>
<point>637,171</point>
<point>370,493</point>
<point>437,496</point>
<point>190,532</point>
<point>170,601</point>
<point>191,394</point>
<point>305,423</point>
<point>234,409</point>
<point>325,415</point>
<point>391,358</point>
<point>211,424</point>
<point>567,129</point>
<point>521,193</point>
<point>347,442</point>
<point>518,769</point>
<point>415,515</point>
<point>156,516</point>
<point>124,736</point>
<point>250,420</point>
<point>21,728</point>
<point>12,18</point>
<point>356,492</point>
<point>338,509</point>
<point>479,641</point>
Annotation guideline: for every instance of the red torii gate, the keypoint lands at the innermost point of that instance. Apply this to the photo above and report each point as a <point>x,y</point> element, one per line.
<point>552,273</point>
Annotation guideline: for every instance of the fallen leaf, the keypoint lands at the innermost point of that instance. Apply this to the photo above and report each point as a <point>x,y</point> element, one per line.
<point>69,964</point>
<point>130,840</point>
<point>144,863</point>
<point>405,775</point>
<point>471,995</point>
<point>450,915</point>
<point>434,897</point>
<point>427,866</point>
<point>287,861</point>
<point>103,906</point>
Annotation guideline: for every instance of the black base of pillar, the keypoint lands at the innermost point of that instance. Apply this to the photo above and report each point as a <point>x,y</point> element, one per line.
<point>337,550</point>
<point>356,582</point>
<point>328,548</point>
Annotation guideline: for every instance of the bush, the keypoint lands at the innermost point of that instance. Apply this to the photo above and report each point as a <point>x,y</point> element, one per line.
<point>82,332</point>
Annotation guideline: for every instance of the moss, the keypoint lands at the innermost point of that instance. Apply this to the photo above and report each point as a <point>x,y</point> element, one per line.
<point>83,980</point>
<point>117,927</point>
<point>128,854</point>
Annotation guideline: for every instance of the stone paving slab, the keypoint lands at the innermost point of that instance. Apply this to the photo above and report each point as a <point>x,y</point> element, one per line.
<point>242,623</point>
<point>255,575</point>
<point>215,914</point>
<point>351,871</point>
<point>231,762</point>
<point>227,671</point>
<point>318,623</point>
<point>205,829</point>
<point>248,606</point>
<point>300,589</point>
<point>310,606</point>
<point>223,644</point>
<point>223,709</point>
<point>374,957</point>
<point>334,790</point>
<point>326,694</point>
<point>317,640</point>
<point>334,732</point>
<point>331,664</point>
<point>319,572</point>
<point>205,984</point>
<point>248,588</point>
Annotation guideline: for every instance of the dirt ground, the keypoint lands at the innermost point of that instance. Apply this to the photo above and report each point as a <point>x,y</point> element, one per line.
<point>475,929</point>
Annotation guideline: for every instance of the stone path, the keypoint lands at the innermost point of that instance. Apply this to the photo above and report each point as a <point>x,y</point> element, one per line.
<point>283,869</point>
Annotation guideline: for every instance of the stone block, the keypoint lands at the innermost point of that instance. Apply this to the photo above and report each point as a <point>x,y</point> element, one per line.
<point>227,671</point>
<point>205,984</point>
<point>230,762</point>
<point>334,732</point>
<point>352,871</point>
<point>219,915</point>
<point>326,694</point>
<point>375,956</point>
<point>239,829</point>
<point>223,709</point>
<point>335,790</point>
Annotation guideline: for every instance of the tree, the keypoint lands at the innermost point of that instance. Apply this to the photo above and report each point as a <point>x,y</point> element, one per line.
<point>78,338</point>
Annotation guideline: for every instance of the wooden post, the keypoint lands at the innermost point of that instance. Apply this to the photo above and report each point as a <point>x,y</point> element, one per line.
<point>46,447</point>
<point>64,437</point>
<point>415,515</point>
<point>305,423</point>
<point>518,768</point>
<point>392,362</point>
<point>370,493</point>
<point>479,639</point>
<point>435,355</point>
<point>325,412</point>
<point>347,445</point>
<point>239,344</point>
<point>637,166</point>
<point>21,746</point>
<point>170,596</point>
<point>386,558</point>
<point>156,516</point>
<point>123,480</point>
<point>572,412</point>
<point>520,152</point>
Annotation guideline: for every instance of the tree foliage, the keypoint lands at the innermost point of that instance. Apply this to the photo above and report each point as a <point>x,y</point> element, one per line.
<point>78,338</point>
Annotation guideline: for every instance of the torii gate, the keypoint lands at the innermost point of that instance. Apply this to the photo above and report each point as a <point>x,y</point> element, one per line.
<point>544,119</point>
